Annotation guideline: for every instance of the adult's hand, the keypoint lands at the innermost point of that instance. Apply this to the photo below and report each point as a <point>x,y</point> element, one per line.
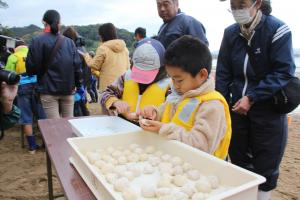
<point>242,106</point>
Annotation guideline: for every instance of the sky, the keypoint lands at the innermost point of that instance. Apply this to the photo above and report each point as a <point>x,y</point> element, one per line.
<point>130,14</point>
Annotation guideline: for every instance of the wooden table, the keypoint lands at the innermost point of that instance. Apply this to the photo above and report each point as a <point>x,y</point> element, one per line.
<point>55,132</point>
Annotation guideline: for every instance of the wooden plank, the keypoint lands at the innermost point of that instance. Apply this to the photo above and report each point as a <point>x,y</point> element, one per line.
<point>55,132</point>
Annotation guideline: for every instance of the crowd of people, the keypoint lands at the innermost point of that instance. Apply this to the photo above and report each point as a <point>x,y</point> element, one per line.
<point>166,85</point>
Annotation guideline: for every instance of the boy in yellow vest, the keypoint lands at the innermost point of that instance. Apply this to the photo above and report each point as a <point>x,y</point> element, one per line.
<point>194,113</point>
<point>144,84</point>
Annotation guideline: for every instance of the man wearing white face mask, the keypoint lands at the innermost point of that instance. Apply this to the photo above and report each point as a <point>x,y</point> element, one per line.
<point>255,61</point>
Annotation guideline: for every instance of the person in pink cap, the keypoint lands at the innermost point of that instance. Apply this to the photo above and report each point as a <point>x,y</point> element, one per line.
<point>146,83</point>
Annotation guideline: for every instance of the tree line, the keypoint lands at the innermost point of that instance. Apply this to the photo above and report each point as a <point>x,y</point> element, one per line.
<point>88,32</point>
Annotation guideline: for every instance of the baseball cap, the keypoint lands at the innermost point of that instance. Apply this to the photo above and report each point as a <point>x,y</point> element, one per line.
<point>147,59</point>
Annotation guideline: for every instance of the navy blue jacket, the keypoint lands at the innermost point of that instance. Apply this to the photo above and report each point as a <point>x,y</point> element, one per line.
<point>271,47</point>
<point>180,25</point>
<point>64,71</point>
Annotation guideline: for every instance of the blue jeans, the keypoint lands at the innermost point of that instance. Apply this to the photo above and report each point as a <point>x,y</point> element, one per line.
<point>29,104</point>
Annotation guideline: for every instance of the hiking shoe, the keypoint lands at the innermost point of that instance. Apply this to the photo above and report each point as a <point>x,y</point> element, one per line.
<point>33,150</point>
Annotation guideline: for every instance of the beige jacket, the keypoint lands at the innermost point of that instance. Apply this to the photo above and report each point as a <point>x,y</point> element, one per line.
<point>209,126</point>
<point>111,60</point>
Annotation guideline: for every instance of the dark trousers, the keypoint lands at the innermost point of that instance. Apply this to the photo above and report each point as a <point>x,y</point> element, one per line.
<point>258,142</point>
<point>92,90</point>
<point>80,109</point>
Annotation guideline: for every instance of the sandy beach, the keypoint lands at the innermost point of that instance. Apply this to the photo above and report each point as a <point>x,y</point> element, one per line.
<point>24,177</point>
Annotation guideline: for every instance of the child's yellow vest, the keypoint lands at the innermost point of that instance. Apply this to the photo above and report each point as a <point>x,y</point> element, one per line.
<point>186,112</point>
<point>155,94</point>
<point>21,55</point>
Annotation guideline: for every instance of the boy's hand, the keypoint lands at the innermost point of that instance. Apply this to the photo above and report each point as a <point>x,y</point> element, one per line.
<point>242,106</point>
<point>148,112</point>
<point>150,125</point>
<point>121,106</point>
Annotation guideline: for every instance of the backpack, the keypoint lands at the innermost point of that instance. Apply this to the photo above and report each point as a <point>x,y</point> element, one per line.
<point>288,98</point>
<point>21,60</point>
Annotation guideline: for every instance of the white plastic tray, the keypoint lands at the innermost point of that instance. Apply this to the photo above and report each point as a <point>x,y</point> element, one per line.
<point>241,184</point>
<point>104,125</point>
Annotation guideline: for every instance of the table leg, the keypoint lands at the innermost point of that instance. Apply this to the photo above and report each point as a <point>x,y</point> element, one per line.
<point>49,175</point>
<point>22,138</point>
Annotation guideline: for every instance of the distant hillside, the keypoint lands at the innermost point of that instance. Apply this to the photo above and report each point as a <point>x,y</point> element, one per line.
<point>89,32</point>
<point>21,31</point>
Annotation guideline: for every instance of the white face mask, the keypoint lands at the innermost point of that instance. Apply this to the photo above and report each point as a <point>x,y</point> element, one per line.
<point>243,16</point>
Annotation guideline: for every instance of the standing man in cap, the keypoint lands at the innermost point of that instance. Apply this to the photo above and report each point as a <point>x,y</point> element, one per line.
<point>177,23</point>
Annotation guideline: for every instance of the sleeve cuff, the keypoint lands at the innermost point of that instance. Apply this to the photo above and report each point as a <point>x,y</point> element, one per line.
<point>110,102</point>
<point>252,97</point>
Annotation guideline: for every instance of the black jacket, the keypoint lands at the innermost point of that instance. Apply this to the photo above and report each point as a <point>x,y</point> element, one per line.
<point>64,71</point>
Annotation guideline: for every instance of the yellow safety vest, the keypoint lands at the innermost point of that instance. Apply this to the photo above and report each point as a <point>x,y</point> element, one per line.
<point>153,95</point>
<point>186,112</point>
<point>21,59</point>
